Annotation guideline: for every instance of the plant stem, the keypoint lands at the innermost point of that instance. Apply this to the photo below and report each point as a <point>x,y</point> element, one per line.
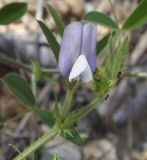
<point>84,111</point>
<point>88,109</point>
<point>113,11</point>
<point>136,74</point>
<point>37,144</point>
<point>68,99</point>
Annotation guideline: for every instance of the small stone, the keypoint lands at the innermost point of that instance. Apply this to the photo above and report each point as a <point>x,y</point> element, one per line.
<point>65,149</point>
<point>99,149</point>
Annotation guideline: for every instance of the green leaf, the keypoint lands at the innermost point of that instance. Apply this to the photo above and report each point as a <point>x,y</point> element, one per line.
<point>46,117</point>
<point>119,59</point>
<point>100,18</point>
<point>101,44</point>
<point>58,21</point>
<point>72,135</point>
<point>137,18</point>
<point>50,38</point>
<point>20,88</point>
<point>110,59</point>
<point>12,12</point>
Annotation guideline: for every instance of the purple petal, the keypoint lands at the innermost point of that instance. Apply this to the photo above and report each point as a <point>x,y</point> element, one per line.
<point>70,47</point>
<point>89,44</point>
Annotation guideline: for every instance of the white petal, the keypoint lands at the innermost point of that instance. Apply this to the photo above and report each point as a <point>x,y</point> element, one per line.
<point>86,75</point>
<point>81,70</point>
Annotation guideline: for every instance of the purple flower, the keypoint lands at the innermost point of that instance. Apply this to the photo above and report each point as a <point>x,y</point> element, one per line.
<point>77,57</point>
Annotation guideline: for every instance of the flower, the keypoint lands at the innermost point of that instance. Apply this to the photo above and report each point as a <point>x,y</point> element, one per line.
<point>77,56</point>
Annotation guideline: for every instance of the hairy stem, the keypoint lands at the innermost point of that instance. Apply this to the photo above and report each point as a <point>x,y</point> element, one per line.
<point>68,99</point>
<point>37,144</point>
<point>84,111</point>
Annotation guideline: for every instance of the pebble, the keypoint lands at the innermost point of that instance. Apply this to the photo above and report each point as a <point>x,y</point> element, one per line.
<point>99,149</point>
<point>65,150</point>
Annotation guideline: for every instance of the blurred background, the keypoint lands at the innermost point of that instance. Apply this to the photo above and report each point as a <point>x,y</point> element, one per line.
<point>115,130</point>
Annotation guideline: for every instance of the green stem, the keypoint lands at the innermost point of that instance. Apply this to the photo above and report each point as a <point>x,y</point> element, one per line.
<point>88,109</point>
<point>37,144</point>
<point>84,111</point>
<point>136,74</point>
<point>68,99</point>
<point>113,11</point>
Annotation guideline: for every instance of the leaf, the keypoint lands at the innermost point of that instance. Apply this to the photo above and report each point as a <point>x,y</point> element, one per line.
<point>12,12</point>
<point>58,21</point>
<point>100,18</point>
<point>20,88</point>
<point>119,59</point>
<point>101,44</point>
<point>50,38</point>
<point>137,18</point>
<point>110,59</point>
<point>46,117</point>
<point>72,135</point>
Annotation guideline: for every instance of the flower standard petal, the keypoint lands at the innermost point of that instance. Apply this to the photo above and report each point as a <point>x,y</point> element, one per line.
<point>89,44</point>
<point>70,47</point>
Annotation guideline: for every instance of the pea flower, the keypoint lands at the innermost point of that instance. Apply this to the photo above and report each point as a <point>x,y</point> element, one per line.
<point>77,56</point>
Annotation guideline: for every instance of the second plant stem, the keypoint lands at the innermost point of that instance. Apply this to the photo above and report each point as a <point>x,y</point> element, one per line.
<point>37,144</point>
<point>50,134</point>
<point>66,105</point>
